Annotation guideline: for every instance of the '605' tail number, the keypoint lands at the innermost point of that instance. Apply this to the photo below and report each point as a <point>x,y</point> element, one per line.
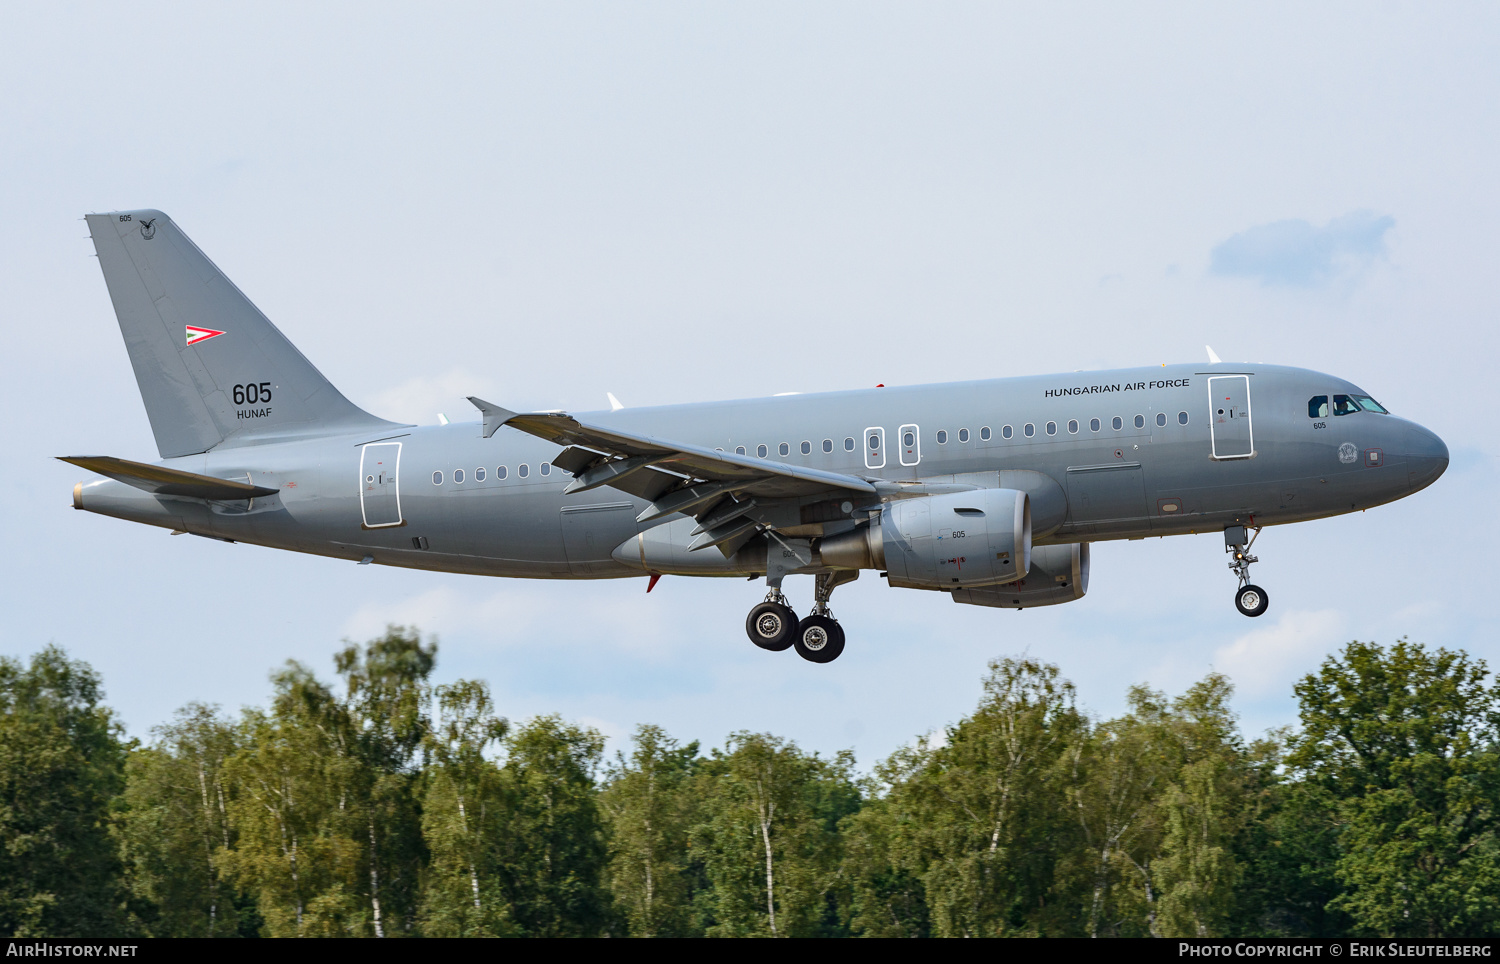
<point>252,394</point>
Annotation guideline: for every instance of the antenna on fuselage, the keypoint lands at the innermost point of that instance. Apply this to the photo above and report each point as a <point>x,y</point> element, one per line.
<point>1213,359</point>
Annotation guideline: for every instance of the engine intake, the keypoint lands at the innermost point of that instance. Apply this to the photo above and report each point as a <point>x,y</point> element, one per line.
<point>951,541</point>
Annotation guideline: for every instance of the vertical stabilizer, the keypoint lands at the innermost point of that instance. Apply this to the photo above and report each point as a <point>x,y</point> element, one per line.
<point>211,368</point>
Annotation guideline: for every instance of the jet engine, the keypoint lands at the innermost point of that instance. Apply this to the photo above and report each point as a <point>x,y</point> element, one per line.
<point>1058,574</point>
<point>951,541</point>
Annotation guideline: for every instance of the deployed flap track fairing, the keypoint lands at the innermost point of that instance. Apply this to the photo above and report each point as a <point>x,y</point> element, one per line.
<point>993,494</point>
<point>729,494</point>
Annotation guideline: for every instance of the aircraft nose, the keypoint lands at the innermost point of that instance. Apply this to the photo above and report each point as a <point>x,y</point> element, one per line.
<point>1427,459</point>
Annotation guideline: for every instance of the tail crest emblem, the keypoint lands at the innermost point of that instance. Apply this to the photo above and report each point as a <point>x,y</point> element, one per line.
<point>195,334</point>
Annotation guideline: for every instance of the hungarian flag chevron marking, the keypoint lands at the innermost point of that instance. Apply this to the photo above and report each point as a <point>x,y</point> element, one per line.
<point>196,334</point>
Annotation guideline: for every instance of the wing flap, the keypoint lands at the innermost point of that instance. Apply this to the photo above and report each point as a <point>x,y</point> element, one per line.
<point>776,479</point>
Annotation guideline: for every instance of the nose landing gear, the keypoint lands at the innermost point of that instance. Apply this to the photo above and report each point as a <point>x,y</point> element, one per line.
<point>1250,600</point>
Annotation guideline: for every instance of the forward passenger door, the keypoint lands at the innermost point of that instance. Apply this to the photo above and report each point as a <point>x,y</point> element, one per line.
<point>1231,434</point>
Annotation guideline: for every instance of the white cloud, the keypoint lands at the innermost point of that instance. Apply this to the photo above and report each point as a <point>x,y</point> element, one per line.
<point>1264,661</point>
<point>420,399</point>
<point>517,614</point>
<point>1296,254</point>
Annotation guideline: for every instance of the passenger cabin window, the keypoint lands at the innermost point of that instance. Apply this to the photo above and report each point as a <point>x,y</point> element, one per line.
<point>546,468</point>
<point>942,437</point>
<point>1117,423</point>
<point>523,470</point>
<point>1006,431</point>
<point>762,451</point>
<point>437,478</point>
<point>499,471</point>
<point>806,448</point>
<point>1161,419</point>
<point>828,445</point>
<point>1140,421</point>
<point>1051,428</point>
<point>784,449</point>
<point>1094,425</point>
<point>739,450</point>
<point>849,444</point>
<point>479,474</point>
<point>984,434</point>
<point>458,476</point>
<point>1182,418</point>
<point>963,435</point>
<point>1317,406</point>
<point>1072,426</point>
<point>1030,430</point>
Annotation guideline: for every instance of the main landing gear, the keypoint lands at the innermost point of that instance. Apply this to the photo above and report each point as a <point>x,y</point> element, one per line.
<point>1249,599</point>
<point>818,638</point>
<point>772,624</point>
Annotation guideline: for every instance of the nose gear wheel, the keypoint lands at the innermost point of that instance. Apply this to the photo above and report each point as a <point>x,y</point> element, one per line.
<point>1249,599</point>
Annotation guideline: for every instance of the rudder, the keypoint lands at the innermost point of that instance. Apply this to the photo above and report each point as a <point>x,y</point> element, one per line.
<point>205,358</point>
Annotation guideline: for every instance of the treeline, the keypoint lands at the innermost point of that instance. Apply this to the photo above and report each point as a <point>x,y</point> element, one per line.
<point>387,806</point>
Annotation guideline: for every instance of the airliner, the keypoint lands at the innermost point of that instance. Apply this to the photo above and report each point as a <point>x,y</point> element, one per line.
<point>990,491</point>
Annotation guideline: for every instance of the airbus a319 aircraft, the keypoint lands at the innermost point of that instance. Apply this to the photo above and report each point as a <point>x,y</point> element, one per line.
<point>990,491</point>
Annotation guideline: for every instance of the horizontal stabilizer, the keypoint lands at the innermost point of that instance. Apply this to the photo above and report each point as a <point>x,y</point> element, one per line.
<point>159,480</point>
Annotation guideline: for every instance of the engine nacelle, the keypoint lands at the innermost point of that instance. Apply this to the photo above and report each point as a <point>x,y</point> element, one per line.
<point>1058,574</point>
<point>950,541</point>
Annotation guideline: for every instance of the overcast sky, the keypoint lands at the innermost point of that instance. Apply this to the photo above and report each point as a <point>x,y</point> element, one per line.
<point>541,203</point>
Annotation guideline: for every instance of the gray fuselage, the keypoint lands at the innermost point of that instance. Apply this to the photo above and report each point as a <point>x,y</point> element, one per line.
<point>1155,474</point>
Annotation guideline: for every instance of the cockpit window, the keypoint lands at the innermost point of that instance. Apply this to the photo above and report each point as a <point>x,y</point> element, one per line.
<point>1349,404</point>
<point>1317,406</point>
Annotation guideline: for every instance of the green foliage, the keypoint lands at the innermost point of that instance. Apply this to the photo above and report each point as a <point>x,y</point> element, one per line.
<point>386,806</point>
<point>464,811</point>
<point>1197,872</point>
<point>1406,742</point>
<point>554,846</point>
<point>768,837</point>
<point>985,817</point>
<point>327,808</point>
<point>649,803</point>
<point>61,763</point>
<point>174,827</point>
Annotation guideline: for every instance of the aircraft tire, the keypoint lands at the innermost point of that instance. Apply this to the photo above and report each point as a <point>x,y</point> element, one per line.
<point>1251,600</point>
<point>819,639</point>
<point>771,626</point>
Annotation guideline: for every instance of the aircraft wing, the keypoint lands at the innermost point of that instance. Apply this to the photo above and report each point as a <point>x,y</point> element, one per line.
<point>731,495</point>
<point>160,480</point>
